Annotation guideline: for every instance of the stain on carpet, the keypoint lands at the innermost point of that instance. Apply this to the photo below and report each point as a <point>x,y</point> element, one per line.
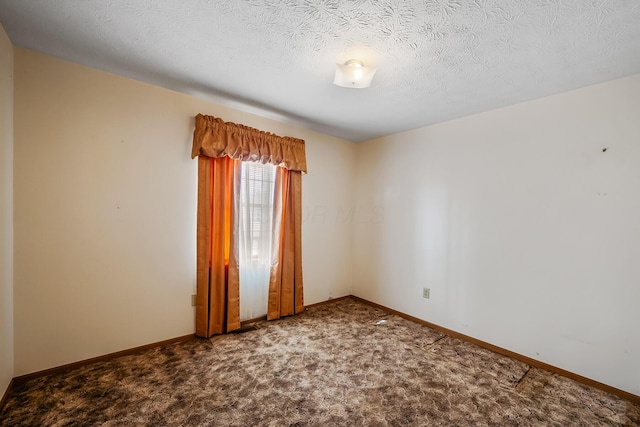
<point>329,366</point>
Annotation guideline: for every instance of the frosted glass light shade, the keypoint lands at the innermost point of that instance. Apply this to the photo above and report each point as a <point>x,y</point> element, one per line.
<point>353,74</point>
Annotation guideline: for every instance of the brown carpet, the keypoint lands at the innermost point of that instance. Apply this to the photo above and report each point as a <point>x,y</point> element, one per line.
<point>330,366</point>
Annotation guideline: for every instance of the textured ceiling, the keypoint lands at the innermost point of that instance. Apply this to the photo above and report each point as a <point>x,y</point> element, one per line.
<point>436,59</point>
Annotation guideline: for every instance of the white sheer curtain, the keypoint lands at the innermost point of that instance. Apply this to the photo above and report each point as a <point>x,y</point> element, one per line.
<point>256,221</point>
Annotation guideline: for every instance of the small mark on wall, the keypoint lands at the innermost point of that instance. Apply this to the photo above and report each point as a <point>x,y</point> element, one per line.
<point>604,150</point>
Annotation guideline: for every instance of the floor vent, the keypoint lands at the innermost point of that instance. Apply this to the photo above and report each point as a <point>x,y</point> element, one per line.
<point>244,329</point>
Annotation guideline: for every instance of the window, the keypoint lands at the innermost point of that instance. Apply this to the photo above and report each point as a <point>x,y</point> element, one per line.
<point>256,195</point>
<point>257,189</point>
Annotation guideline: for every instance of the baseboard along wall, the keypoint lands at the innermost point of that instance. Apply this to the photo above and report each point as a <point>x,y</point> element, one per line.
<point>5,396</point>
<point>16,381</point>
<point>529,361</point>
<point>59,369</point>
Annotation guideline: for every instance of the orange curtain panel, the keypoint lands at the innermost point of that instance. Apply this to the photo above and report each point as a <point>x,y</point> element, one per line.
<point>217,275</point>
<point>285,284</point>
<point>221,147</point>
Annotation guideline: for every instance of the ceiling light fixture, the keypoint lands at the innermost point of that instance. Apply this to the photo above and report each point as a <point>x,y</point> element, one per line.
<point>353,74</point>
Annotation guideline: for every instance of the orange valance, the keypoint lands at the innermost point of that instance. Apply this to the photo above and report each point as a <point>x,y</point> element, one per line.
<point>213,137</point>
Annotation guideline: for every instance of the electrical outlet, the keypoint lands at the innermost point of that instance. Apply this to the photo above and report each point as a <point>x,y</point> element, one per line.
<point>193,300</point>
<point>426,293</point>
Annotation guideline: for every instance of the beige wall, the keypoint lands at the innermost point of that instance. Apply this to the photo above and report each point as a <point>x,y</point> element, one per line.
<point>526,232</point>
<point>6,211</point>
<point>105,199</point>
